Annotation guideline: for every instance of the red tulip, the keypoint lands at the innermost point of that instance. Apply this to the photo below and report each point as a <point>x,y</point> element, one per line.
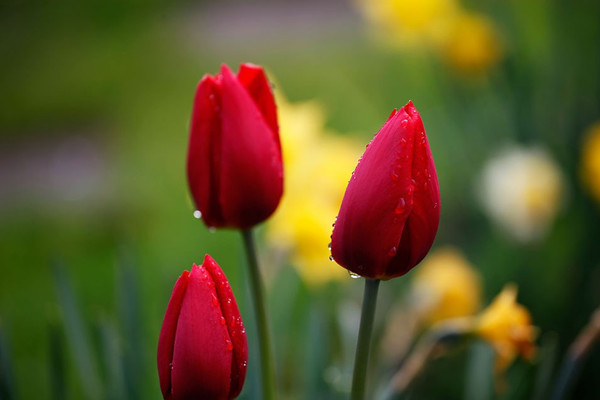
<point>202,348</point>
<point>390,212</point>
<point>234,166</point>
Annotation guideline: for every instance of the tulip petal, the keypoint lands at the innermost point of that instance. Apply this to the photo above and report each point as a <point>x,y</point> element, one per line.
<point>253,78</point>
<point>251,181</point>
<point>201,365</point>
<point>422,224</point>
<point>166,339</point>
<point>203,160</point>
<point>235,326</point>
<point>389,214</point>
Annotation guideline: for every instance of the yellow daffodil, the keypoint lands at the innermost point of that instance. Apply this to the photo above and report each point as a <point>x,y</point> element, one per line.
<point>522,191</point>
<point>409,22</point>
<point>506,325</point>
<point>317,165</point>
<point>590,160</point>
<point>446,286</point>
<point>472,44</point>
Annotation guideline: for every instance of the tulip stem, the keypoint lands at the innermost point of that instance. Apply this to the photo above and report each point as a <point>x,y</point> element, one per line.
<point>260,311</point>
<point>361,360</point>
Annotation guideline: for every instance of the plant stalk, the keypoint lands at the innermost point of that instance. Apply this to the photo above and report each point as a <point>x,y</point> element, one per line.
<point>576,356</point>
<point>363,346</point>
<point>260,310</point>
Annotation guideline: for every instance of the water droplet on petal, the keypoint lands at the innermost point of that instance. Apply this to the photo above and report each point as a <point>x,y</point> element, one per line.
<point>353,275</point>
<point>197,214</point>
<point>392,251</point>
<point>400,206</point>
<point>331,258</point>
<point>329,246</point>
<point>404,123</point>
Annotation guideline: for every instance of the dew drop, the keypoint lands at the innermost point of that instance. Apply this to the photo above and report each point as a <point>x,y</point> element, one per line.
<point>329,246</point>
<point>331,258</point>
<point>222,320</point>
<point>229,345</point>
<point>403,142</point>
<point>392,251</point>
<point>394,175</point>
<point>354,275</point>
<point>400,206</point>
<point>197,214</point>
<point>404,123</point>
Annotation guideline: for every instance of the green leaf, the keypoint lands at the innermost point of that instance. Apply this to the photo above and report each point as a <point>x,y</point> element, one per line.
<point>130,310</point>
<point>77,337</point>
<point>7,389</point>
<point>546,363</point>
<point>480,377</point>
<point>113,360</point>
<point>57,350</point>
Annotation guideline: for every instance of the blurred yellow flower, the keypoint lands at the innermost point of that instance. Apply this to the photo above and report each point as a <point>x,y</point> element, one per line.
<point>472,44</point>
<point>506,325</point>
<point>409,22</point>
<point>590,160</point>
<point>317,167</point>
<point>522,190</point>
<point>446,286</point>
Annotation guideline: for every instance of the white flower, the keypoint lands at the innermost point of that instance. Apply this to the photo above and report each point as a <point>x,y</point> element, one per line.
<point>521,189</point>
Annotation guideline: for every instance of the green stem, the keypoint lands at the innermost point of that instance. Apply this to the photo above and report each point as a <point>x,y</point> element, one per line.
<point>260,311</point>
<point>578,352</point>
<point>432,344</point>
<point>361,361</point>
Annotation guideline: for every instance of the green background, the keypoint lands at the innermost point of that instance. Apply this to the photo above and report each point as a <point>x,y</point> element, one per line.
<point>101,92</point>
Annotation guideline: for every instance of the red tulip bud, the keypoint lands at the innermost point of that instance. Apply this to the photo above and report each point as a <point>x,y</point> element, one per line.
<point>234,166</point>
<point>390,212</point>
<point>202,348</point>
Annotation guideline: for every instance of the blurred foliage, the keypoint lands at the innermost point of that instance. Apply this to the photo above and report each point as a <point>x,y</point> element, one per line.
<point>119,77</point>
